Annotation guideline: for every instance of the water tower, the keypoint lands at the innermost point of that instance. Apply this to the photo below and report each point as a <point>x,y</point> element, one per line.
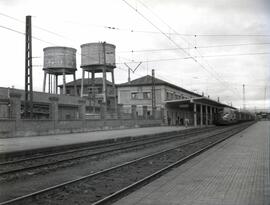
<point>98,58</point>
<point>59,61</point>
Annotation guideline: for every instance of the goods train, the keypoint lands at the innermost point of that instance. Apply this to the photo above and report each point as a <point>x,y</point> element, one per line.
<point>231,116</point>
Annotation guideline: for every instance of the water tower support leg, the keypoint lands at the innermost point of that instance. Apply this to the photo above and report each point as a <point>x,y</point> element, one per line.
<point>83,72</point>
<point>75,84</point>
<point>56,84</point>
<point>104,87</point>
<point>114,92</point>
<point>93,91</point>
<point>49,83</point>
<point>64,83</point>
<point>44,81</point>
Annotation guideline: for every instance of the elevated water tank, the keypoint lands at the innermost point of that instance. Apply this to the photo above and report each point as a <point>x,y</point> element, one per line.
<point>93,55</point>
<point>57,59</point>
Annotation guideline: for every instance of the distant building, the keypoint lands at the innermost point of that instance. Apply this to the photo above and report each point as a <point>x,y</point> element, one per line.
<point>139,92</point>
<point>177,103</point>
<point>173,104</point>
<point>90,93</point>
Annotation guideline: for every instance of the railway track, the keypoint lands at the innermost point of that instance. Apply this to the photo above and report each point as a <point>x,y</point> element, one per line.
<point>56,159</point>
<point>103,187</point>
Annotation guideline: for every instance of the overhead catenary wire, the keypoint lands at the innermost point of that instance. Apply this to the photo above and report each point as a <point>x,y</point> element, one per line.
<point>150,50</point>
<point>145,50</point>
<point>43,41</point>
<point>115,28</point>
<point>38,27</point>
<point>197,47</point>
<point>216,76</point>
<point>19,32</point>
<point>133,61</point>
<point>205,56</point>
<point>169,38</point>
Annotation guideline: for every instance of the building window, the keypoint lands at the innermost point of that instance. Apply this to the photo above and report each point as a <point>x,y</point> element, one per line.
<point>134,95</point>
<point>99,90</point>
<point>146,95</point>
<point>167,95</point>
<point>89,90</point>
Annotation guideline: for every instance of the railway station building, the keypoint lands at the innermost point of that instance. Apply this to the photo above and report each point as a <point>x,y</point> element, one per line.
<point>176,103</point>
<point>173,104</point>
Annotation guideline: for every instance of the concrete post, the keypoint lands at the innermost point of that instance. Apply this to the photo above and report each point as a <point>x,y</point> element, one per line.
<point>154,114</point>
<point>119,110</point>
<point>82,109</point>
<point>134,111</point>
<point>211,115</point>
<point>144,112</point>
<point>162,114</point>
<point>15,105</point>
<point>201,115</point>
<point>102,110</point>
<point>206,115</point>
<point>195,115</point>
<point>54,108</point>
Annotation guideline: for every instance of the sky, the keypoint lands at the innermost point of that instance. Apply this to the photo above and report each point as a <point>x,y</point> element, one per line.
<point>210,46</point>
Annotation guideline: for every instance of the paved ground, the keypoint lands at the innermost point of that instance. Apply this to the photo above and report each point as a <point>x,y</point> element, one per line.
<point>236,172</point>
<point>26,143</point>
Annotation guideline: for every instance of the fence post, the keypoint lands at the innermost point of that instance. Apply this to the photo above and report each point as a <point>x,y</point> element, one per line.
<point>154,113</point>
<point>134,112</point>
<point>145,112</point>
<point>162,116</point>
<point>119,110</point>
<point>15,106</point>
<point>102,111</point>
<point>82,109</point>
<point>54,108</point>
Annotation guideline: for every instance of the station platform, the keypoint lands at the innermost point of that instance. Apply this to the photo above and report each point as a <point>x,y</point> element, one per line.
<point>235,172</point>
<point>17,144</point>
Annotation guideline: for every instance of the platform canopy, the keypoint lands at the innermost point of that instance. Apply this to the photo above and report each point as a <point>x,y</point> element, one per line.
<point>182,103</point>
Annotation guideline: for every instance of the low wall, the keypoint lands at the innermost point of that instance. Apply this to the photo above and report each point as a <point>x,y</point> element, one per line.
<point>13,128</point>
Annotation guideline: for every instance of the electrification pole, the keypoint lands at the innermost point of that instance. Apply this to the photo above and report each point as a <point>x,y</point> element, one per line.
<point>28,97</point>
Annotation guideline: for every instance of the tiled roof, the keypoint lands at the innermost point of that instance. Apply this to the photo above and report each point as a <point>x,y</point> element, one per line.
<point>147,80</point>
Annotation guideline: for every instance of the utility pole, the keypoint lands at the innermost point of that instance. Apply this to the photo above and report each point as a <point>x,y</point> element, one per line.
<point>28,97</point>
<point>244,98</point>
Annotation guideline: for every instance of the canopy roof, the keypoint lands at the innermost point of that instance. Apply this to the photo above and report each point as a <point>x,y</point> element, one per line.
<point>197,100</point>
